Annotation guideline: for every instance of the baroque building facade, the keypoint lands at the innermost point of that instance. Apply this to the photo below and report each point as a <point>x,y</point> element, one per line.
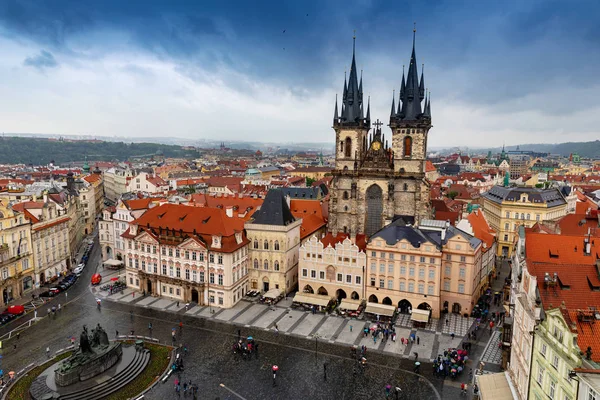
<point>375,182</point>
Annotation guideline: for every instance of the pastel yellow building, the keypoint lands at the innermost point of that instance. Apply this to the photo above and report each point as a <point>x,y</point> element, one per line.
<point>433,267</point>
<point>16,258</point>
<point>508,208</point>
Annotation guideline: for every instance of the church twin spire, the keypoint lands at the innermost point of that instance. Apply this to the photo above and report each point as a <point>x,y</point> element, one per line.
<point>352,98</point>
<point>412,93</point>
<point>409,108</point>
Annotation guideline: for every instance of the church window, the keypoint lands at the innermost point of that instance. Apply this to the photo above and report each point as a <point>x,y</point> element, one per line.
<point>407,146</point>
<point>345,208</point>
<point>255,263</point>
<point>266,264</point>
<point>348,147</point>
<point>276,246</point>
<point>341,146</point>
<point>276,265</point>
<point>345,195</point>
<point>405,187</point>
<point>255,244</point>
<point>374,197</point>
<point>266,245</point>
<point>345,229</point>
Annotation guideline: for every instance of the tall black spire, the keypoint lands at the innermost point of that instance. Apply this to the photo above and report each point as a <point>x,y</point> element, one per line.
<point>425,108</point>
<point>393,112</point>
<point>335,113</point>
<point>352,102</point>
<point>369,110</point>
<point>422,84</point>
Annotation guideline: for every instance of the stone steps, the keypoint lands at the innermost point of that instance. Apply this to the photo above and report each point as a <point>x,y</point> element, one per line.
<point>112,385</point>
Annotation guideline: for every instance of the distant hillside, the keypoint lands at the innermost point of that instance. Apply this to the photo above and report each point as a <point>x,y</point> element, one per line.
<point>14,150</point>
<point>584,149</point>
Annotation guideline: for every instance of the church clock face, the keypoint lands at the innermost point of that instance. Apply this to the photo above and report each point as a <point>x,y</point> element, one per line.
<point>376,145</point>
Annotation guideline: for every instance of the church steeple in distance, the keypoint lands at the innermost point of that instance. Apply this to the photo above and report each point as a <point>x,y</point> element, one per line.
<point>352,100</point>
<point>412,91</point>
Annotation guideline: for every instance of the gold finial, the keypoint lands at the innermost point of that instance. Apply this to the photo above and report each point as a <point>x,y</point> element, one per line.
<point>354,37</point>
<point>414,26</point>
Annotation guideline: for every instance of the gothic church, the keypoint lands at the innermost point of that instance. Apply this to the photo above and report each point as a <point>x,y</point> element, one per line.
<point>375,183</point>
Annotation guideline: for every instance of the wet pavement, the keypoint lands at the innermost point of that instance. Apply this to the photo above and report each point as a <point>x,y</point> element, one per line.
<point>211,363</point>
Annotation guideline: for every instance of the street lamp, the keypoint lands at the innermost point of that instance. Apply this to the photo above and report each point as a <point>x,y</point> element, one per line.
<point>316,336</point>
<point>573,375</point>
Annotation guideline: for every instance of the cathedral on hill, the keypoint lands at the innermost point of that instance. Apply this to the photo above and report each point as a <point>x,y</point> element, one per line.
<point>377,180</point>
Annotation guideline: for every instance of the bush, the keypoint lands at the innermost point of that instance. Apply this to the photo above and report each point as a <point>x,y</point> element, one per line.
<point>20,390</point>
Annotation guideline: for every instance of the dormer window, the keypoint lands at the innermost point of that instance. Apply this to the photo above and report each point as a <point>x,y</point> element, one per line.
<point>238,237</point>
<point>216,241</point>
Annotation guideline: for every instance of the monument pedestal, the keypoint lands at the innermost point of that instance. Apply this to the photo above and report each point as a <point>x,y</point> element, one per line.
<point>93,365</point>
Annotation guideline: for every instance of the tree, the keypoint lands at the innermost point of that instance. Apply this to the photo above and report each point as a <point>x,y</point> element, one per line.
<point>309,181</point>
<point>539,185</point>
<point>452,195</point>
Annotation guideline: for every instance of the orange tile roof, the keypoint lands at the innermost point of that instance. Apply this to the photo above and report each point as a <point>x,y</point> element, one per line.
<point>559,249</point>
<point>156,180</point>
<point>245,205</point>
<point>429,167</point>
<point>21,207</point>
<point>139,204</point>
<point>91,178</point>
<point>578,224</point>
<point>481,229</point>
<point>312,214</point>
<point>204,220</point>
<point>329,239</point>
<point>31,217</point>
<point>588,334</point>
<point>192,222</point>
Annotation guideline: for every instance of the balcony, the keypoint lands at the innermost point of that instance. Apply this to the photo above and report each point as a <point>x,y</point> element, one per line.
<point>6,258</point>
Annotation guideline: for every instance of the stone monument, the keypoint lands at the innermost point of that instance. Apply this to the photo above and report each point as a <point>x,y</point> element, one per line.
<point>95,355</point>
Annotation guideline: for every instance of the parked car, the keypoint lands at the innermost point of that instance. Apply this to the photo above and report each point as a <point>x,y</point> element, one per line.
<point>78,271</point>
<point>54,291</point>
<point>6,317</point>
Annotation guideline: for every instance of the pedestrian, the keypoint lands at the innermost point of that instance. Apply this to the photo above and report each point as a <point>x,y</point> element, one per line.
<point>133,295</point>
<point>416,356</point>
<point>72,341</point>
<point>131,332</point>
<point>452,335</point>
<point>14,346</point>
<point>418,340</point>
<point>462,388</point>
<point>66,295</point>
<point>58,306</point>
<point>350,327</point>
<point>239,333</point>
<point>177,303</point>
<point>18,335</point>
<point>447,322</point>
<point>475,389</point>
<point>48,352</point>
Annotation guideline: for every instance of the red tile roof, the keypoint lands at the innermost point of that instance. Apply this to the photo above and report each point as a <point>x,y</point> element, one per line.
<point>329,239</point>
<point>588,333</point>
<point>244,205</point>
<point>560,249</point>
<point>192,221</point>
<point>156,180</point>
<point>20,207</point>
<point>429,167</point>
<point>481,228</point>
<point>91,178</point>
<point>51,224</point>
<point>578,224</point>
<point>139,204</point>
<point>312,214</point>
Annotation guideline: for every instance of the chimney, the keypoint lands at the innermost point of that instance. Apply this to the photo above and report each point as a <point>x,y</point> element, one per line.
<point>229,211</point>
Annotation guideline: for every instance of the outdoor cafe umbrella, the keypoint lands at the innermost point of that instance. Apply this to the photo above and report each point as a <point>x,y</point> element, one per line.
<point>114,279</point>
<point>250,338</point>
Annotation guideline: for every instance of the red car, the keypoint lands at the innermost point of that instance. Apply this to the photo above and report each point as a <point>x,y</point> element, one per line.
<point>54,291</point>
<point>96,279</point>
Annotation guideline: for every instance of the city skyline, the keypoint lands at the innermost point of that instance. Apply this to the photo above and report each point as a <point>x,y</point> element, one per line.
<point>271,72</point>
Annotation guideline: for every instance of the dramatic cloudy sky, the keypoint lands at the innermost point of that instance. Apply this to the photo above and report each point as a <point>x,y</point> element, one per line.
<point>509,71</point>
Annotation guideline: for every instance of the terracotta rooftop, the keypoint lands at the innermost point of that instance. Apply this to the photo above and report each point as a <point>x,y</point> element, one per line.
<point>560,249</point>
<point>329,239</point>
